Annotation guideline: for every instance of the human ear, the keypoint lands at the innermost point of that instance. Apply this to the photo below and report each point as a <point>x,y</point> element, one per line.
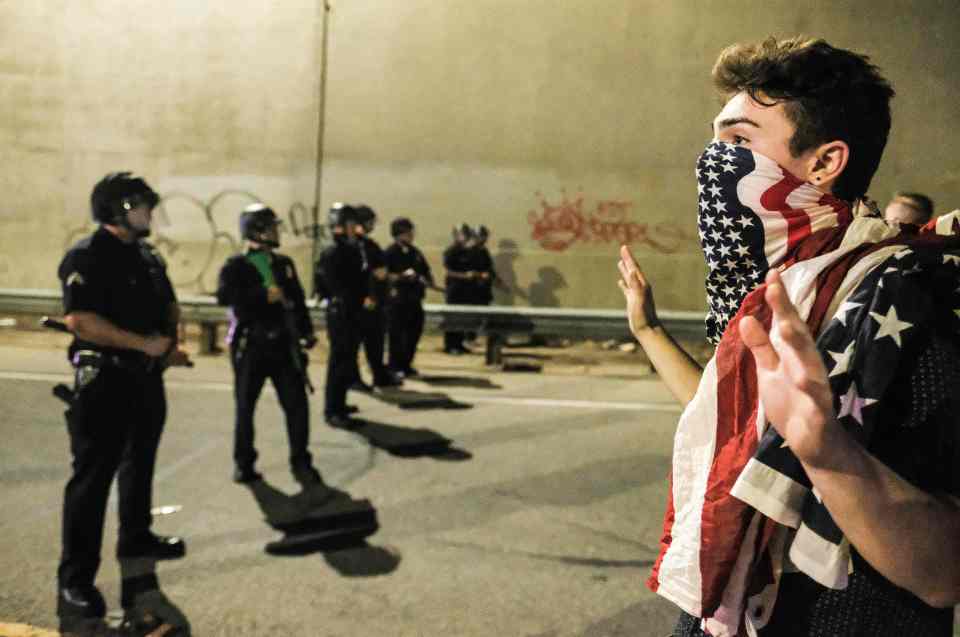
<point>828,163</point>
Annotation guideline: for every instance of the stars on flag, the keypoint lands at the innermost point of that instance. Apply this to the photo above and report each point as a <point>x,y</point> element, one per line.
<point>890,325</point>
<point>841,360</point>
<point>852,404</point>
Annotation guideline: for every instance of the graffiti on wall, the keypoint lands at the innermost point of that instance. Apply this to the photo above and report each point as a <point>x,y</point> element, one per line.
<point>559,226</point>
<point>195,235</point>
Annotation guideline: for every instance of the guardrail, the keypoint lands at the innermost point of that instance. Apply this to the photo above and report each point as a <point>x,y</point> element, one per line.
<point>495,321</point>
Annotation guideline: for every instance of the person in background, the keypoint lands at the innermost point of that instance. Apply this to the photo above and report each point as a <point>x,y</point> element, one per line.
<point>344,282</point>
<point>911,208</point>
<point>373,324</point>
<point>410,276</point>
<point>457,259</point>
<point>269,326</point>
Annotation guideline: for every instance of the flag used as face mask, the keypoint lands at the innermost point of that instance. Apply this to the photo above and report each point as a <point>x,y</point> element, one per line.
<point>752,213</point>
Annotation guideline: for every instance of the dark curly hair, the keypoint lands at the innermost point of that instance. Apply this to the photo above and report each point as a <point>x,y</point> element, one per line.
<point>828,94</point>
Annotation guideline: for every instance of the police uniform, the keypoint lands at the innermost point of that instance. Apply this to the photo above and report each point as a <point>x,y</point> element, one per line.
<point>481,288</point>
<point>373,325</point>
<point>118,408</point>
<point>457,259</point>
<point>405,300</point>
<point>265,342</point>
<point>344,283</point>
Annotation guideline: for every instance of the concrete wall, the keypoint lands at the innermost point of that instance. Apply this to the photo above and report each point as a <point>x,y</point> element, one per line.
<point>564,126</point>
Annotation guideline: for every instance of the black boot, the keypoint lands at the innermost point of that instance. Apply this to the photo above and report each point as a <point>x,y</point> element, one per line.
<point>158,547</point>
<point>80,608</point>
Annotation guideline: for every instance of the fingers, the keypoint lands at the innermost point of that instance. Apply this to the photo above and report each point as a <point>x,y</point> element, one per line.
<point>758,341</point>
<point>630,272</point>
<point>793,342</point>
<point>631,265</point>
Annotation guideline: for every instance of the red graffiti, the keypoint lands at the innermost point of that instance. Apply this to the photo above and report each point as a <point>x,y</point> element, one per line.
<point>557,227</point>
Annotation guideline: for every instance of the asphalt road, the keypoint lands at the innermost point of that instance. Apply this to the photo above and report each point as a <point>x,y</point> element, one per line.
<point>543,521</point>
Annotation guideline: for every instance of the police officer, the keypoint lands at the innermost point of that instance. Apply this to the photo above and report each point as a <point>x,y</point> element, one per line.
<point>343,281</point>
<point>409,275</point>
<point>269,327</point>
<point>121,308</point>
<point>481,264</point>
<point>373,324</point>
<point>459,288</point>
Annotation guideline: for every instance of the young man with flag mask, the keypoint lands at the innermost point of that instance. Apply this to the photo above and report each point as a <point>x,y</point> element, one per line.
<point>815,472</point>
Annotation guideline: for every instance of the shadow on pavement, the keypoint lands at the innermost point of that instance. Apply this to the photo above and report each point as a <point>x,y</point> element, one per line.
<point>408,442</point>
<point>475,382</point>
<point>147,610</point>
<point>409,399</point>
<point>325,520</point>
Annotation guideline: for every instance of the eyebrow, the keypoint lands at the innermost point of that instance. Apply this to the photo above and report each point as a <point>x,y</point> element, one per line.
<point>733,121</point>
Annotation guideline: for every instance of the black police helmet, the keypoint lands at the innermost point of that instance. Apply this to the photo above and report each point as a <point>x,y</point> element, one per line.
<point>255,221</point>
<point>483,233</point>
<point>118,193</point>
<point>341,214</point>
<point>366,216</point>
<point>400,225</point>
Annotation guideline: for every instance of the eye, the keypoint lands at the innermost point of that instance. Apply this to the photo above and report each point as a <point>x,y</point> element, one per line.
<point>738,140</point>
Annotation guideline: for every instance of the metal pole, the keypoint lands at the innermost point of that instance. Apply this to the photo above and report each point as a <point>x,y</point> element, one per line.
<point>324,9</point>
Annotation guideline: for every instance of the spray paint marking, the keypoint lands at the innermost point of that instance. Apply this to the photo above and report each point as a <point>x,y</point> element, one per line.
<point>559,226</point>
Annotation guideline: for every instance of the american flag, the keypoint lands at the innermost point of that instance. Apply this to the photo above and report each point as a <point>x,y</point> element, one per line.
<point>751,214</point>
<point>873,297</point>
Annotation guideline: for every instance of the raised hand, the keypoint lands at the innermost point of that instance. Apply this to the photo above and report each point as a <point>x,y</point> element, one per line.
<point>641,310</point>
<point>792,379</point>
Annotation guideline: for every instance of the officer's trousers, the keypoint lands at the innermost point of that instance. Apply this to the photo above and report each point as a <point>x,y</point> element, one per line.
<point>373,326</point>
<point>344,336</point>
<point>115,424</point>
<point>406,327</point>
<point>254,361</point>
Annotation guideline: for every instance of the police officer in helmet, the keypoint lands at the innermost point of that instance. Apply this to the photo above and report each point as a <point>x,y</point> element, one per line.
<point>123,313</point>
<point>373,324</point>
<point>343,280</point>
<point>270,326</point>
<point>410,276</point>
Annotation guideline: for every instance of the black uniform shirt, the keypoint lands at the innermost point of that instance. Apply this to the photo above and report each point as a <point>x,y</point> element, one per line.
<point>241,287</point>
<point>341,270</point>
<point>123,283</point>
<point>480,261</point>
<point>373,258</point>
<point>456,258</point>
<point>400,258</point>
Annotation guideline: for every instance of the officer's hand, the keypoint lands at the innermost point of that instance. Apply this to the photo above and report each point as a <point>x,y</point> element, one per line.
<point>369,303</point>
<point>274,294</point>
<point>179,358</point>
<point>156,345</point>
<point>309,341</point>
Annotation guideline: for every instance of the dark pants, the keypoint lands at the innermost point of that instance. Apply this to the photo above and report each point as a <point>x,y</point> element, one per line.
<point>405,320</point>
<point>373,327</point>
<point>254,361</point>
<point>115,425</point>
<point>343,334</point>
<point>458,293</point>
